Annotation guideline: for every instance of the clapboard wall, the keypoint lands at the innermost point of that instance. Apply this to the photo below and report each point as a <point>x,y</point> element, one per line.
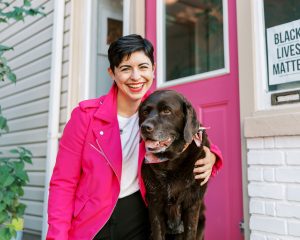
<point>26,103</point>
<point>65,67</point>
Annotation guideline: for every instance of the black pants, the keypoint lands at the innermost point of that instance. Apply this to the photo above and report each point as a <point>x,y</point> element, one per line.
<point>129,221</point>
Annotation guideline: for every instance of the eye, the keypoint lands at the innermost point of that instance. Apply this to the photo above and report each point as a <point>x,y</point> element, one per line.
<point>144,67</point>
<point>166,111</point>
<point>124,69</point>
<point>145,112</point>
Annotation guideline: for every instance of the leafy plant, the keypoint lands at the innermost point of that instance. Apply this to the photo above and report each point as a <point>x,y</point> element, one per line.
<point>13,175</point>
<point>3,122</point>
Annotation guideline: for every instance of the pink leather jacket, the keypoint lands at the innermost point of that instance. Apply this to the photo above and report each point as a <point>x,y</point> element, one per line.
<point>85,184</point>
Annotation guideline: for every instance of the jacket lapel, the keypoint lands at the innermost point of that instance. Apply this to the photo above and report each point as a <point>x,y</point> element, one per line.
<point>109,145</point>
<point>107,132</point>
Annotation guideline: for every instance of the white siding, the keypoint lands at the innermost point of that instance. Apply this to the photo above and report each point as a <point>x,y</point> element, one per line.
<point>65,67</point>
<point>25,103</point>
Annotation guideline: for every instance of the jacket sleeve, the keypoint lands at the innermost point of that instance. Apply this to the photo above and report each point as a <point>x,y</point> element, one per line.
<point>219,161</point>
<point>66,176</point>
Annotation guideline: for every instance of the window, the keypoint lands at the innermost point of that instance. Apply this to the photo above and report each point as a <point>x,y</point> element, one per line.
<point>277,52</point>
<point>193,40</point>
<point>110,24</point>
<point>282,28</point>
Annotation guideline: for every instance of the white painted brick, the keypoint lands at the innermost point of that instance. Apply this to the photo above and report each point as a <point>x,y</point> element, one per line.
<point>269,174</point>
<point>266,157</point>
<point>270,208</point>
<point>255,143</point>
<point>274,174</point>
<point>267,190</point>
<point>257,206</point>
<point>288,210</point>
<point>288,238</point>
<point>268,224</point>
<point>269,142</point>
<point>293,193</point>
<point>293,157</point>
<point>257,236</point>
<point>255,174</point>
<point>294,228</point>
<point>288,174</point>
<point>273,238</point>
<point>287,142</point>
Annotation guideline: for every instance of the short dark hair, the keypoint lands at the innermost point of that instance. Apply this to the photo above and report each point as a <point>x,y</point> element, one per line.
<point>125,46</point>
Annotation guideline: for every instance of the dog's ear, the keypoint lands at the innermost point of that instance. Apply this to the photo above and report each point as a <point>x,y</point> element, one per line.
<point>191,123</point>
<point>205,140</point>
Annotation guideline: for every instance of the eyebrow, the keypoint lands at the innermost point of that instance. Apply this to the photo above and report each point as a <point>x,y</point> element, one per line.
<point>130,65</point>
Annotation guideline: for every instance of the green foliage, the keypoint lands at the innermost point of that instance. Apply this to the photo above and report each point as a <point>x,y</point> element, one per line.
<point>13,175</point>
<point>7,233</point>
<point>18,14</point>
<point>5,70</point>
<point>3,122</point>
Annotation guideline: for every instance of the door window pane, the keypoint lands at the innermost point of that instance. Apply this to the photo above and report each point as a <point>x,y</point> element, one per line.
<point>114,30</point>
<point>286,49</point>
<point>194,37</point>
<point>110,28</point>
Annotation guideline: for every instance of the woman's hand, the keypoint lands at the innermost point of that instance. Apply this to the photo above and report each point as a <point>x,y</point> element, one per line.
<point>203,166</point>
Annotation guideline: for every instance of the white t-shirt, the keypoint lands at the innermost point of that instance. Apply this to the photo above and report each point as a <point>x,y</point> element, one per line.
<point>129,130</point>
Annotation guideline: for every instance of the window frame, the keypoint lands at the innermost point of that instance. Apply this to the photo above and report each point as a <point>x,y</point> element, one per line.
<point>262,93</point>
<point>161,56</point>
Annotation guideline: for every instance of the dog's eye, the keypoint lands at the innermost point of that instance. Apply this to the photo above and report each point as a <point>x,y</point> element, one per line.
<point>145,113</point>
<point>166,111</point>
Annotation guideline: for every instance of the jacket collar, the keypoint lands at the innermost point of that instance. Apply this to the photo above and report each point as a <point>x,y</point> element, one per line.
<point>108,109</point>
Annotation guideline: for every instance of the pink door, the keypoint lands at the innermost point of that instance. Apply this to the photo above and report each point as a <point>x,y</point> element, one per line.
<point>216,99</point>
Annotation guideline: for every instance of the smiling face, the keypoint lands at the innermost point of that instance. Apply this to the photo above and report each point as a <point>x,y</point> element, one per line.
<point>134,77</point>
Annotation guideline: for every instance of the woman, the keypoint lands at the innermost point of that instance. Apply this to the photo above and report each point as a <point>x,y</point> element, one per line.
<point>96,190</point>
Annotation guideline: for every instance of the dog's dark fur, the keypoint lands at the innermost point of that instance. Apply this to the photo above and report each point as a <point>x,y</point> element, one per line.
<point>175,198</point>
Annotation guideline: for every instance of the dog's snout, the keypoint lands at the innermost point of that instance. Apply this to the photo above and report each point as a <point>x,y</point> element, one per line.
<point>147,127</point>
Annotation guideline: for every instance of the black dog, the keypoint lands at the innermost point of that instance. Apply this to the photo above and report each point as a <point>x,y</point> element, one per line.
<point>174,141</point>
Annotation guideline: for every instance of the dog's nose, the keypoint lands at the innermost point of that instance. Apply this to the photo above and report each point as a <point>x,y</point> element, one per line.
<point>147,127</point>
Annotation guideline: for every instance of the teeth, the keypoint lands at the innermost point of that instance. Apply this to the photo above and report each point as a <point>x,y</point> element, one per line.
<point>136,86</point>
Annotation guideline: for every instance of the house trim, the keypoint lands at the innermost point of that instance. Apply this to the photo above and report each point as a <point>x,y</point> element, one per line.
<point>137,17</point>
<point>80,53</point>
<point>246,90</point>
<point>54,101</point>
<point>286,124</point>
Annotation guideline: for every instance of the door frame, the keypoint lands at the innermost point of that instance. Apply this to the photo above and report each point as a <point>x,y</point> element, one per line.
<point>82,14</point>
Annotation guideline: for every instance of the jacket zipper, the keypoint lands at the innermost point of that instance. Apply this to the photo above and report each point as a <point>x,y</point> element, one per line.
<point>100,150</point>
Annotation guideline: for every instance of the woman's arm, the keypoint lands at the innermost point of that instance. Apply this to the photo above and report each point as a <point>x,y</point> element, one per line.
<point>66,175</point>
<point>209,165</point>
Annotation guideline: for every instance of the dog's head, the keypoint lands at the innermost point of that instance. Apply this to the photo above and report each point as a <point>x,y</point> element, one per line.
<point>168,122</point>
